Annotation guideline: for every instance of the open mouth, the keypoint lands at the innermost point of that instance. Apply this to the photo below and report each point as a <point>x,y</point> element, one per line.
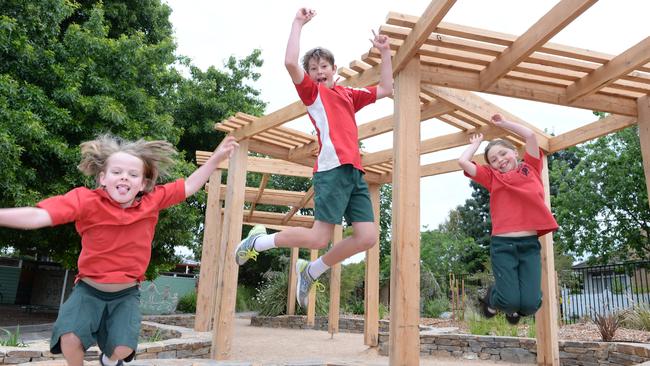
<point>122,189</point>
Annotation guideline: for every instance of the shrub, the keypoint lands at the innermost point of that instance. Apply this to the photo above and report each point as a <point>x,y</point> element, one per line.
<point>638,317</point>
<point>187,303</point>
<point>13,338</point>
<point>496,326</point>
<point>272,296</point>
<point>383,311</point>
<point>245,299</point>
<point>434,307</point>
<point>608,325</point>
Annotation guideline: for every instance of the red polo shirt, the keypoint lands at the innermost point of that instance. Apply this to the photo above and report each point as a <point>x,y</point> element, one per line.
<point>332,110</point>
<point>517,197</point>
<point>115,241</point>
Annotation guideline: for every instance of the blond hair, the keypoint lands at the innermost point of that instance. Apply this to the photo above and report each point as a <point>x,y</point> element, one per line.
<point>493,143</point>
<point>157,156</point>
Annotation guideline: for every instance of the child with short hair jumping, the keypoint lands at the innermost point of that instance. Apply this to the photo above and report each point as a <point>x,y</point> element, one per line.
<point>519,216</point>
<point>116,222</point>
<point>339,187</point>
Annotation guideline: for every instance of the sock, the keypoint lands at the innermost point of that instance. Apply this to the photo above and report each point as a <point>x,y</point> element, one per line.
<point>107,361</point>
<point>264,242</point>
<point>317,268</point>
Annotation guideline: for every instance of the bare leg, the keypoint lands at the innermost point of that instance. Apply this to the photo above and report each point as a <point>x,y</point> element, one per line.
<point>317,237</point>
<point>363,238</point>
<point>120,353</point>
<point>72,349</point>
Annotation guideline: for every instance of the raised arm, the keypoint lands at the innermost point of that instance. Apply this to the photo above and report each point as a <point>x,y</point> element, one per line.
<point>292,54</point>
<point>24,218</point>
<point>465,160</point>
<point>385,87</point>
<point>532,147</point>
<point>201,175</point>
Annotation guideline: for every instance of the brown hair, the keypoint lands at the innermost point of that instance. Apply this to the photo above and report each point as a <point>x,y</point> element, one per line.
<point>317,54</point>
<point>505,143</point>
<point>157,156</point>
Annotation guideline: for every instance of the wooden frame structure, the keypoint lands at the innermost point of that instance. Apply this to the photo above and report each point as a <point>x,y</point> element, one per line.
<point>437,66</point>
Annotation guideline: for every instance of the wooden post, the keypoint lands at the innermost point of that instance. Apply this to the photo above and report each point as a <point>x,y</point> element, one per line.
<point>222,332</point>
<point>643,119</point>
<point>311,306</point>
<point>371,294</point>
<point>335,287</point>
<point>548,351</point>
<point>291,297</point>
<point>404,340</point>
<point>210,261</point>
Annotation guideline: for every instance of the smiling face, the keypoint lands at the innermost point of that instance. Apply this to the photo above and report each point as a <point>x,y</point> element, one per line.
<point>502,158</point>
<point>321,71</point>
<point>123,178</point>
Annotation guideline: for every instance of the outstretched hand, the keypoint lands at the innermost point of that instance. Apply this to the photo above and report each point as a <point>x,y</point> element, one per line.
<point>476,138</point>
<point>304,15</point>
<point>227,147</point>
<point>497,119</point>
<point>380,41</point>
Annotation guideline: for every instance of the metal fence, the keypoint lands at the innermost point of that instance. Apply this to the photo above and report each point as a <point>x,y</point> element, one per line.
<point>586,291</point>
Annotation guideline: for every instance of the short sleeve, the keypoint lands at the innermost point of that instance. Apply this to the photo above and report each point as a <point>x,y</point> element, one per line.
<point>307,90</point>
<point>363,96</point>
<point>483,176</point>
<point>64,208</point>
<point>535,163</point>
<point>169,194</point>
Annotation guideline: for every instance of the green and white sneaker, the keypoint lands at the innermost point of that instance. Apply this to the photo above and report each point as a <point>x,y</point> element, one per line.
<point>304,283</point>
<point>246,249</point>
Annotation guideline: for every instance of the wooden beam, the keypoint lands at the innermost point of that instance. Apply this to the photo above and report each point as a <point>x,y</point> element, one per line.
<point>272,197</point>
<point>279,117</point>
<point>264,165</point>
<point>446,166</point>
<point>306,198</point>
<point>275,218</point>
<point>549,25</point>
<point>620,65</point>
<point>469,80</point>
<point>265,180</point>
<point>211,259</point>
<point>311,305</point>
<point>605,126</point>
<point>429,20</point>
<point>307,150</point>
<point>335,287</point>
<point>404,338</point>
<point>548,351</point>
<point>222,331</point>
<point>293,280</point>
<point>371,288</point>
<point>644,137</point>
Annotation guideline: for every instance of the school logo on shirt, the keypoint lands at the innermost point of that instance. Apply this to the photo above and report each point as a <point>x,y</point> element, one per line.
<point>524,169</point>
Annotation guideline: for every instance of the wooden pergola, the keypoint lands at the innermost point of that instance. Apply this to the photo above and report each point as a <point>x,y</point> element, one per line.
<point>436,66</point>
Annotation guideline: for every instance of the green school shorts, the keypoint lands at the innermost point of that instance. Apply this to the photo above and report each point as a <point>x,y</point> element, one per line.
<point>108,319</point>
<point>340,192</point>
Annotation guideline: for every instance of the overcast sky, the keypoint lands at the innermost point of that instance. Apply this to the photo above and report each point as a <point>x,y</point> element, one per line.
<point>209,31</point>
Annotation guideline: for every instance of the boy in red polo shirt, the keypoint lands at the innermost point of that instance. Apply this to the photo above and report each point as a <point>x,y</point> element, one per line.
<point>519,216</point>
<point>339,186</point>
<point>116,222</point>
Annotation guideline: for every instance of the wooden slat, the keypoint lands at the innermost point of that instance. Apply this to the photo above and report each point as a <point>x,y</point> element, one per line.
<point>620,65</point>
<point>433,14</point>
<point>550,24</point>
<point>311,306</point>
<point>307,150</point>
<point>459,79</point>
<point>265,180</point>
<point>609,124</point>
<point>293,279</point>
<point>308,196</point>
<point>644,137</point>
<point>335,287</point>
<point>371,288</point>
<point>404,338</point>
<point>222,331</point>
<point>447,166</point>
<point>211,259</point>
<point>275,218</point>
<point>263,165</point>
<point>272,197</point>
<point>281,116</point>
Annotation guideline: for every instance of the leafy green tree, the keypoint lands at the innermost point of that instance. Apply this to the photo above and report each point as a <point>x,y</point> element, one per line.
<point>71,70</point>
<point>601,203</point>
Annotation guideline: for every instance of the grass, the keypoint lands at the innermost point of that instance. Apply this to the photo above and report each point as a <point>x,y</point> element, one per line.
<point>12,338</point>
<point>498,325</point>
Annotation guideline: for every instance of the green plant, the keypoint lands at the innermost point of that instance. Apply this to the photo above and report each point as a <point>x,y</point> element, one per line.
<point>272,296</point>
<point>187,303</point>
<point>638,317</point>
<point>608,325</point>
<point>434,307</point>
<point>496,326</point>
<point>155,337</point>
<point>245,299</point>
<point>13,338</point>
<point>383,311</point>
